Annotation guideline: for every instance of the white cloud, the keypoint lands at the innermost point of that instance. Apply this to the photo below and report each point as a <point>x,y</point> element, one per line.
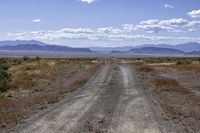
<point>125,33</point>
<point>109,30</point>
<point>88,1</point>
<point>174,22</point>
<point>168,6</point>
<point>128,27</point>
<point>108,35</point>
<point>157,26</point>
<point>36,20</point>
<point>193,26</point>
<point>194,13</point>
<point>150,22</point>
<point>76,30</point>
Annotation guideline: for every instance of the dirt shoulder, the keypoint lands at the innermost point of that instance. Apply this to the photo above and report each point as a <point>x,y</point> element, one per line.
<point>133,112</point>
<point>176,106</point>
<point>37,85</point>
<point>64,116</point>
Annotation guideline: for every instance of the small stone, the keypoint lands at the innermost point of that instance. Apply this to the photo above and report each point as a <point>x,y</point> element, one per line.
<point>100,121</point>
<point>3,125</point>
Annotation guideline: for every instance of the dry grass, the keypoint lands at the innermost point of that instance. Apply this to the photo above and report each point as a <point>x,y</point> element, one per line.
<point>146,68</point>
<point>167,84</point>
<point>27,76</point>
<point>184,64</point>
<point>31,75</point>
<point>187,67</point>
<point>178,103</point>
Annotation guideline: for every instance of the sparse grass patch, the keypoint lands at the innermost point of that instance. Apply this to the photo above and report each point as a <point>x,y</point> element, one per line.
<point>187,67</point>
<point>167,84</point>
<point>179,103</point>
<point>5,79</point>
<point>30,89</point>
<point>146,68</point>
<point>27,76</point>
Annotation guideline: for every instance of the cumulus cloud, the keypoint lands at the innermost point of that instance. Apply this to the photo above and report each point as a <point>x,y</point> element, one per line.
<point>174,22</point>
<point>194,13</point>
<point>123,33</point>
<point>88,1</point>
<point>157,26</point>
<point>76,30</point>
<point>107,34</point>
<point>109,30</point>
<point>168,6</point>
<point>128,27</point>
<point>36,20</point>
<point>193,26</point>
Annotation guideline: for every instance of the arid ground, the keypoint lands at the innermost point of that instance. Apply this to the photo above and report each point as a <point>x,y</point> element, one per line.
<point>91,95</point>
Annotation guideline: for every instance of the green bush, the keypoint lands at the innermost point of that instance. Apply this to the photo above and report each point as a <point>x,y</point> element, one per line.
<point>5,79</point>
<point>183,62</point>
<point>37,58</point>
<point>26,58</point>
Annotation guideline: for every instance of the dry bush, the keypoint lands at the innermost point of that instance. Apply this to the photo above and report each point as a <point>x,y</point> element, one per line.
<point>5,79</point>
<point>146,68</point>
<point>188,67</point>
<point>167,84</point>
<point>179,104</point>
<point>27,75</point>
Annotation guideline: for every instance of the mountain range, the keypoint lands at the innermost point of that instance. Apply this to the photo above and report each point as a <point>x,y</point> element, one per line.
<point>38,46</point>
<point>156,50</point>
<point>191,48</point>
<point>186,47</point>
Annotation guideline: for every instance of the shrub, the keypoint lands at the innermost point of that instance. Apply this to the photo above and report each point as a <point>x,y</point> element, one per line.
<point>37,58</point>
<point>5,79</point>
<point>167,84</point>
<point>184,62</point>
<point>26,58</point>
<point>146,68</point>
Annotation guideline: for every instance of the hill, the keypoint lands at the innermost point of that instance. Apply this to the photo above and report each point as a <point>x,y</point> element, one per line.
<point>156,50</point>
<point>37,47</point>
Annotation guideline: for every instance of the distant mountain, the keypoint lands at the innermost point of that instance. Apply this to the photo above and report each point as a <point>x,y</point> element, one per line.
<point>156,50</point>
<point>17,42</point>
<point>186,47</point>
<point>37,47</point>
<point>110,49</point>
<point>115,52</point>
<point>193,53</point>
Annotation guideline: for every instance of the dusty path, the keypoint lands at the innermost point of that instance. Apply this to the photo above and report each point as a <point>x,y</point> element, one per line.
<point>110,102</point>
<point>66,115</point>
<point>133,114</point>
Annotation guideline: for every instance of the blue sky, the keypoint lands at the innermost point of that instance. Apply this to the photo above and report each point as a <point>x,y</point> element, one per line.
<point>101,22</point>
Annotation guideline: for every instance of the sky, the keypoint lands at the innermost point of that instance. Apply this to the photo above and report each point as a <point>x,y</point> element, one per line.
<point>101,23</point>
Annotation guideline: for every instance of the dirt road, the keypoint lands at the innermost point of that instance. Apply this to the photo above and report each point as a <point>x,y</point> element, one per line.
<point>110,102</point>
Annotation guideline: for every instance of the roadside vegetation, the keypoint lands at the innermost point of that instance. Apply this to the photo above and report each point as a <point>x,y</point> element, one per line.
<point>171,82</point>
<point>28,84</point>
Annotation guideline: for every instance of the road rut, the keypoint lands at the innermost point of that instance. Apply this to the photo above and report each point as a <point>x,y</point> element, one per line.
<point>133,114</point>
<point>63,118</point>
<point>110,102</point>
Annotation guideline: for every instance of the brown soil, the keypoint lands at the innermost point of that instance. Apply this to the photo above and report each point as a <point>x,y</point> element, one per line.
<point>46,87</point>
<point>179,103</point>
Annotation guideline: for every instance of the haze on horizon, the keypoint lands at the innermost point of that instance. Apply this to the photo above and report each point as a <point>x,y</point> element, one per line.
<point>113,23</point>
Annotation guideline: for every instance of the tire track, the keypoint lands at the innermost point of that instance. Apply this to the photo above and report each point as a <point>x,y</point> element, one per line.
<point>133,114</point>
<point>63,118</point>
<point>98,118</point>
<point>110,102</point>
